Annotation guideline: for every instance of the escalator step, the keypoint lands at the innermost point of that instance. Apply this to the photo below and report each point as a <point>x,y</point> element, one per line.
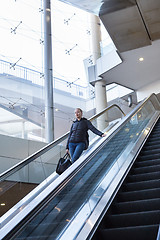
<point>143,177</point>
<point>142,185</point>
<point>155,130</point>
<point>138,195</point>
<point>149,157</point>
<point>132,219</point>
<point>148,169</point>
<point>155,133</point>
<point>136,206</point>
<point>150,147</point>
<point>152,142</point>
<point>130,233</point>
<point>154,137</point>
<point>152,151</point>
<point>147,163</point>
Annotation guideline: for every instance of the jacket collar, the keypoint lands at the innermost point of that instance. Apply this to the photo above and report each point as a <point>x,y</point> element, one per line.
<point>76,120</point>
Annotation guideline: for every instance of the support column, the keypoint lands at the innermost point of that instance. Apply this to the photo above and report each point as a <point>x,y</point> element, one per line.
<point>101,103</point>
<point>96,37</point>
<point>49,112</point>
<point>100,86</point>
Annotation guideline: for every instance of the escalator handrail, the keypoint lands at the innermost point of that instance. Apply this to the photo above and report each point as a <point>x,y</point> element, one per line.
<point>37,154</point>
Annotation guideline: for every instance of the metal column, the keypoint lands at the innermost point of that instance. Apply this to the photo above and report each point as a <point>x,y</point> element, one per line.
<point>49,112</point>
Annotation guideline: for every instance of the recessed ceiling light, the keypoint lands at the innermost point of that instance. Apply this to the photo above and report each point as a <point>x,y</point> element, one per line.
<point>3,204</point>
<point>141,59</point>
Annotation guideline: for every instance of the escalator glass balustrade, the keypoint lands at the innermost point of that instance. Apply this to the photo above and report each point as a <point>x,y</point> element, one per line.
<point>26,176</point>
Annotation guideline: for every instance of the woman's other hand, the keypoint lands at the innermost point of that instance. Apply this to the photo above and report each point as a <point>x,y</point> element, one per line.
<point>104,134</point>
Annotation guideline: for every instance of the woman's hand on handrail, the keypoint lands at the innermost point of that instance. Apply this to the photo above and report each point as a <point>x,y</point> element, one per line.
<point>104,134</point>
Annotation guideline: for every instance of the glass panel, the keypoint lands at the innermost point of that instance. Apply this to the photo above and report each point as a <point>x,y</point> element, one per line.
<point>19,118</point>
<point>43,166</point>
<point>106,120</point>
<point>63,208</point>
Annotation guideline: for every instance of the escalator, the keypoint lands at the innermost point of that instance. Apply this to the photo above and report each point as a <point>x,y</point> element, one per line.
<point>72,206</point>
<point>135,211</point>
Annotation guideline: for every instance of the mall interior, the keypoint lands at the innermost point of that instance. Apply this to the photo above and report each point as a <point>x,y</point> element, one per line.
<point>108,66</point>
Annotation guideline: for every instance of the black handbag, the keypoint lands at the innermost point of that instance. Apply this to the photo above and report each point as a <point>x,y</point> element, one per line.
<point>63,163</point>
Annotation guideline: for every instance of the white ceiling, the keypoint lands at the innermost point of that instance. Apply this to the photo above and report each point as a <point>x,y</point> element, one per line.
<point>134,74</point>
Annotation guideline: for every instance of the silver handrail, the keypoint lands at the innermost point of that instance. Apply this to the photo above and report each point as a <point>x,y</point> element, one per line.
<point>37,154</point>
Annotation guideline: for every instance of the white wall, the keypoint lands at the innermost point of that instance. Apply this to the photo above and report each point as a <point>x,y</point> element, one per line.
<point>107,62</point>
<point>148,90</point>
<point>13,150</point>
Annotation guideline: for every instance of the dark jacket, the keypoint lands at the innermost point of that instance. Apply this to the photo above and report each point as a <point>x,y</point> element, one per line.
<point>79,131</point>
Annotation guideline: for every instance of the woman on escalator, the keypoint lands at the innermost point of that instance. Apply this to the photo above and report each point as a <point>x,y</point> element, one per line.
<point>78,139</point>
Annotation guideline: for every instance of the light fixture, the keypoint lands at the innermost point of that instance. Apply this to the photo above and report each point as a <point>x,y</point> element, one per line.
<point>3,204</point>
<point>141,59</point>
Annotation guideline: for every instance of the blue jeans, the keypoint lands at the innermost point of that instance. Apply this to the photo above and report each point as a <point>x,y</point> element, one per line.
<point>76,150</point>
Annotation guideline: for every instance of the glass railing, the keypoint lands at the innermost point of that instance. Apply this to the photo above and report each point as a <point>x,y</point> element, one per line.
<point>21,120</point>
<point>35,169</point>
<point>83,191</point>
<point>13,70</point>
